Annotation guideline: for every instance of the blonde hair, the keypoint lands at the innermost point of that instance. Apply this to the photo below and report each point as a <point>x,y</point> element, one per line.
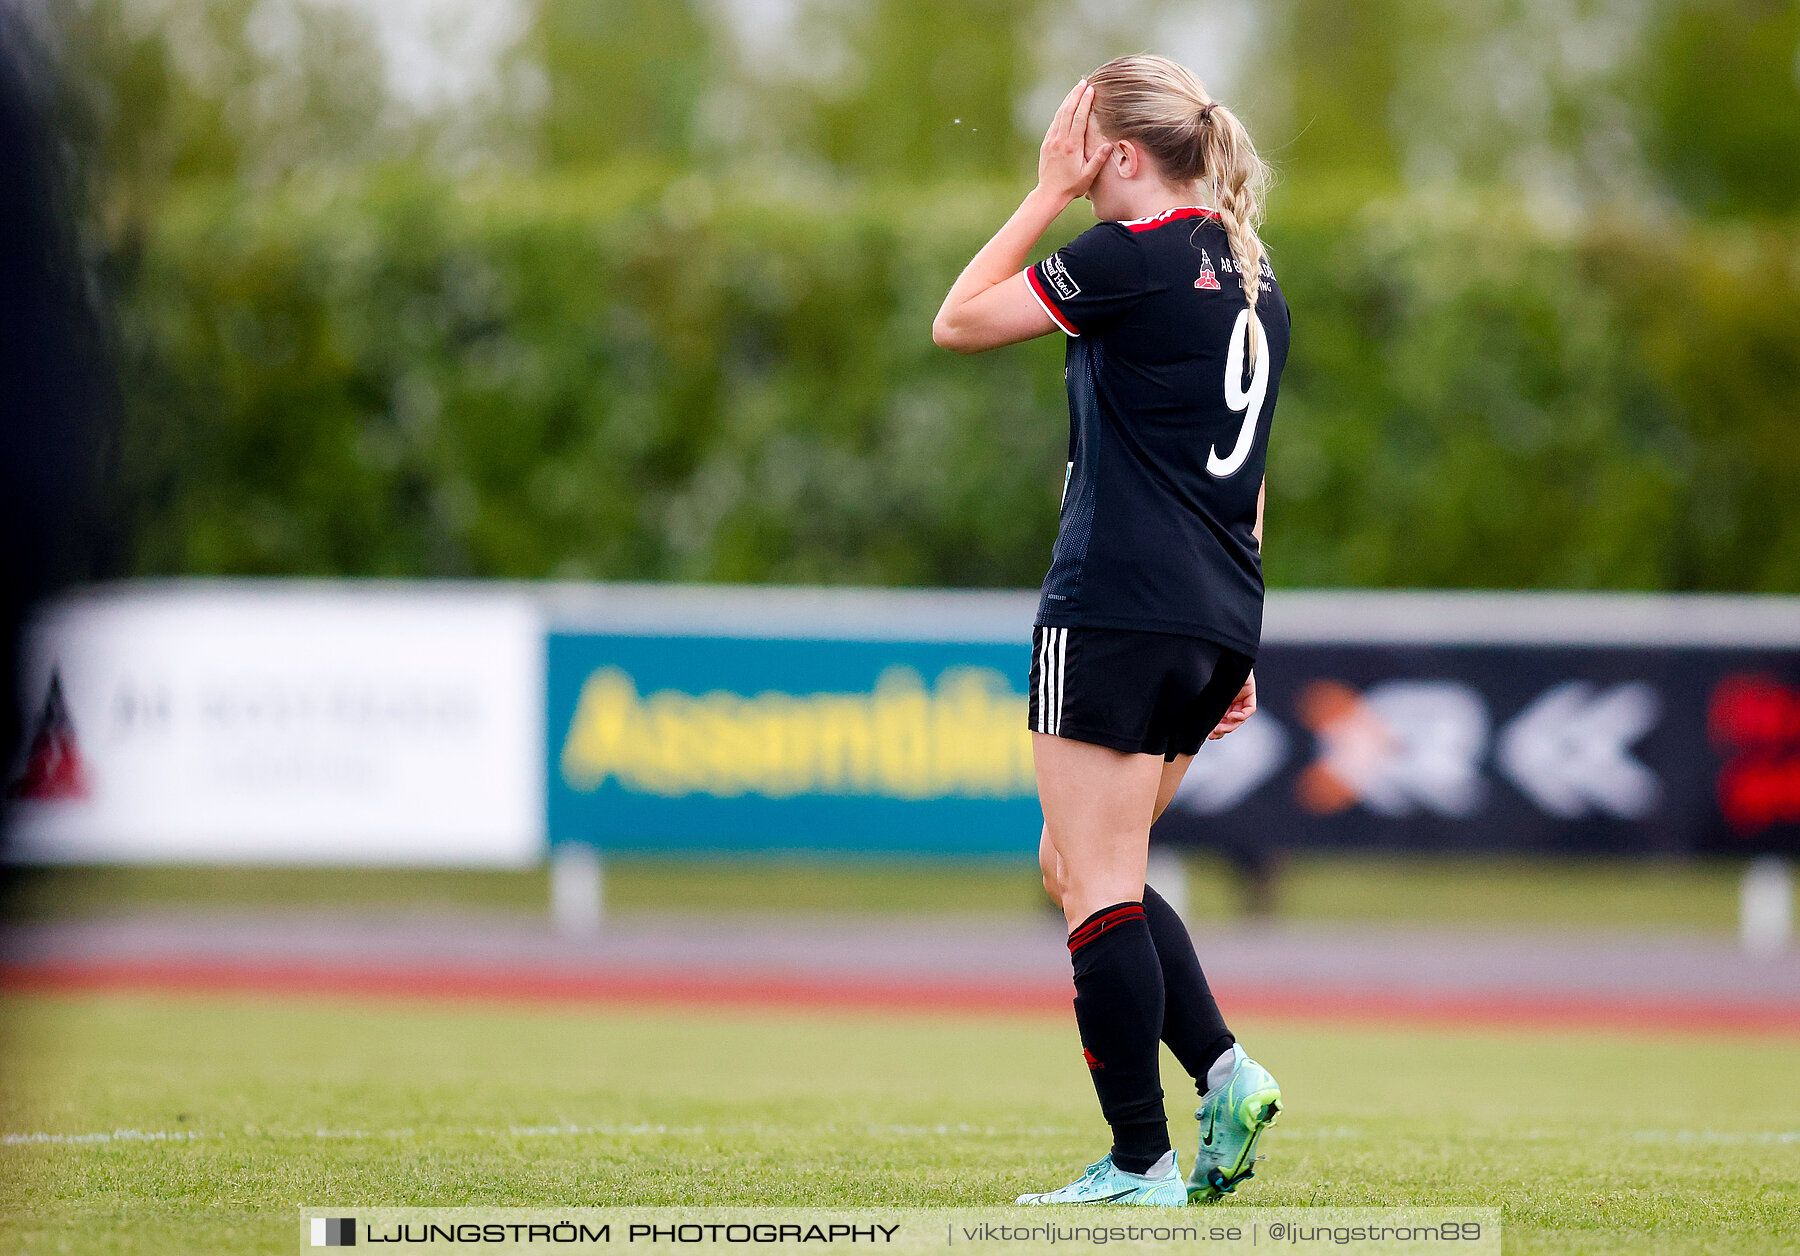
<point>1165,109</point>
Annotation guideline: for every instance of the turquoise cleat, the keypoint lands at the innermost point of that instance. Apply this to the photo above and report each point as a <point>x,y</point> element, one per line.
<point>1105,1183</point>
<point>1232,1117</point>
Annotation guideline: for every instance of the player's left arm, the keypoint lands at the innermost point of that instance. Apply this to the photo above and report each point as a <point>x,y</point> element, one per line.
<point>1002,313</point>
<point>1244,705</point>
<point>991,303</point>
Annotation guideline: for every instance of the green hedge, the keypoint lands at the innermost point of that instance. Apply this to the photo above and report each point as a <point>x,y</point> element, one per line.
<point>628,375</point>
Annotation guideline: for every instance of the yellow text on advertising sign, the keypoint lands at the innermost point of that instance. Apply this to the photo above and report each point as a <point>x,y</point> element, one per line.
<point>963,737</point>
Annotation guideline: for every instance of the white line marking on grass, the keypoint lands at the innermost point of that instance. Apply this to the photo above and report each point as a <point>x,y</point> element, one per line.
<point>565,1130</point>
<point>645,1129</point>
<point>632,1131</point>
<point>109,1136</point>
<point>932,1131</point>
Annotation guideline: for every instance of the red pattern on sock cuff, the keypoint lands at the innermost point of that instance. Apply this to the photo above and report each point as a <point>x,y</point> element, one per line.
<point>1101,921</point>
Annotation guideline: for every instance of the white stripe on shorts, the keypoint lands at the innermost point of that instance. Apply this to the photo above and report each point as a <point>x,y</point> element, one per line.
<point>1062,655</point>
<point>1052,655</point>
<point>1043,683</point>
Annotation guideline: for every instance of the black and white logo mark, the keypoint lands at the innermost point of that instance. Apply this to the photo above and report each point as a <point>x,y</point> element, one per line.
<point>334,1231</point>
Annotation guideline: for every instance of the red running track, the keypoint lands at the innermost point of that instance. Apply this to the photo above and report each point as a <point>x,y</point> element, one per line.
<point>465,983</point>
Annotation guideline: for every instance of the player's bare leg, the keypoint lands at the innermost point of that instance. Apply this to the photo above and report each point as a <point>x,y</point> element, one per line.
<point>1192,1026</point>
<point>1098,805</point>
<point>1173,773</point>
<point>1239,1099</point>
<point>1050,863</point>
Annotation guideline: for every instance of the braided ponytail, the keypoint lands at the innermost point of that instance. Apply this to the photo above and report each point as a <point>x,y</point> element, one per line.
<point>1239,181</point>
<point>1164,108</point>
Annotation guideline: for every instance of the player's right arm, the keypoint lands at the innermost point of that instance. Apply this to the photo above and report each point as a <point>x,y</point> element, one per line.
<point>991,303</point>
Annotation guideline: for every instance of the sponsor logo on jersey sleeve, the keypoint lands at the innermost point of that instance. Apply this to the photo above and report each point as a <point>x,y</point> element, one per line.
<point>1059,277</point>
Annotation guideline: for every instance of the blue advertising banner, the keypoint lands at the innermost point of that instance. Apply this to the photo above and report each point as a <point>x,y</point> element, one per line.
<point>709,743</point>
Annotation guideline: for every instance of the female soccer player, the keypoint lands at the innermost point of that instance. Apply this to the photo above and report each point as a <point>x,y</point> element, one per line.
<point>1151,613</point>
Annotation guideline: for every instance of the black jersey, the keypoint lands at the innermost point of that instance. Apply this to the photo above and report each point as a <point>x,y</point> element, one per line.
<point>1168,431</point>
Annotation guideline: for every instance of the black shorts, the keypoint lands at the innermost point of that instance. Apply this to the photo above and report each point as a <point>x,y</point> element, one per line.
<point>1140,692</point>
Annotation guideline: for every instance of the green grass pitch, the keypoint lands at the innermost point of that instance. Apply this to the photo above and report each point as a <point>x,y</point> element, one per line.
<point>1589,1143</point>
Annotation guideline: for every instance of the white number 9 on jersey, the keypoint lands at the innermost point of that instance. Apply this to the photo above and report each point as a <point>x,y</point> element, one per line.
<point>1238,398</point>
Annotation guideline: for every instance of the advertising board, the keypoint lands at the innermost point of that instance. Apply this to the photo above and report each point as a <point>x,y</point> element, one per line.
<point>847,720</point>
<point>265,722</point>
<point>1622,750</point>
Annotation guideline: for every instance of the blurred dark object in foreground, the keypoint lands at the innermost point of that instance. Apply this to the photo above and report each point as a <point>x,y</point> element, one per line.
<point>56,391</point>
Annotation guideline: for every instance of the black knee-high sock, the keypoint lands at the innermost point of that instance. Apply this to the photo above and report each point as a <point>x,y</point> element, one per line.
<point>1119,1009</point>
<point>1192,1025</point>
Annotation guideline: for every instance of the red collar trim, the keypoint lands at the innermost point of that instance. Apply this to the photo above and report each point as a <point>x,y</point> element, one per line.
<point>1169,215</point>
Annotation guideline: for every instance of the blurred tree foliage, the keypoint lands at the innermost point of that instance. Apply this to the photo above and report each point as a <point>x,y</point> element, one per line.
<point>605,375</point>
<point>653,350</point>
<point>628,375</point>
<point>1723,85</point>
<point>928,89</point>
<point>625,76</point>
<point>1342,60</point>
